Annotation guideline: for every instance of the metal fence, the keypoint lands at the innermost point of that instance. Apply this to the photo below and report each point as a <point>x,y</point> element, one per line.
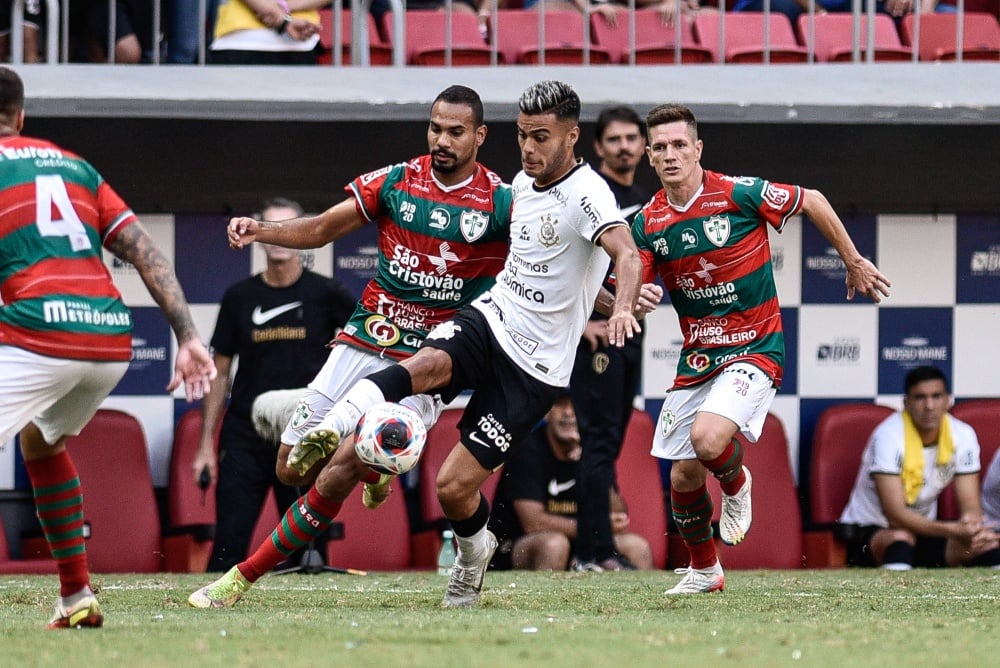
<point>863,44</point>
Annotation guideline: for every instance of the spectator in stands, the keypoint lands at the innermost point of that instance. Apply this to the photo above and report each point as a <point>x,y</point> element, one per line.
<point>610,9</point>
<point>793,8</point>
<point>34,20</point>
<point>66,331</point>
<point>606,378</point>
<point>909,459</point>
<point>706,235</point>
<point>90,26</point>
<point>182,31</point>
<point>276,324</point>
<point>991,493</point>
<point>535,508</point>
<point>266,32</point>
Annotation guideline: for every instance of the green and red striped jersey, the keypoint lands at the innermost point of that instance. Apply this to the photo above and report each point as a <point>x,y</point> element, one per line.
<point>57,297</point>
<point>438,249</point>
<point>714,258</point>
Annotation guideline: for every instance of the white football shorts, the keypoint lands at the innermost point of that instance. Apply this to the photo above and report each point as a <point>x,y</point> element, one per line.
<point>344,367</point>
<point>59,395</point>
<point>741,392</point>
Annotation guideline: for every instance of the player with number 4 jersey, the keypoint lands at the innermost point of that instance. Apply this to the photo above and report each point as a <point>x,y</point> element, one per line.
<point>65,333</point>
<point>58,297</point>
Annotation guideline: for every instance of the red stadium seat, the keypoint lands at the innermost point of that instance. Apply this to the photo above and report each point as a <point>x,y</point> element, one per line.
<point>379,51</point>
<point>426,42</point>
<point>839,439</point>
<point>640,484</point>
<point>834,34</point>
<point>654,41</point>
<point>745,39</point>
<point>517,34</point>
<point>775,538</point>
<point>938,36</point>
<point>10,566</point>
<point>440,440</point>
<point>118,501</point>
<point>187,540</point>
<point>372,539</point>
<point>983,415</point>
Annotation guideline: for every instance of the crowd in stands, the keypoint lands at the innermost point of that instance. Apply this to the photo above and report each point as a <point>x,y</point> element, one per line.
<point>300,32</point>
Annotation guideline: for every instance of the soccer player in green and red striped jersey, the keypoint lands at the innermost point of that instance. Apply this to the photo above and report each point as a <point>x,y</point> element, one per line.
<point>705,234</point>
<point>65,333</point>
<point>443,223</point>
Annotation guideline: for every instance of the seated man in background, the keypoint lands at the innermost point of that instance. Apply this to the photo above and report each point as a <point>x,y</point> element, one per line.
<point>910,458</point>
<point>534,513</point>
<point>991,493</point>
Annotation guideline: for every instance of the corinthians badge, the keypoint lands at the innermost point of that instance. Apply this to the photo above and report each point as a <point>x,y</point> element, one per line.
<point>547,235</point>
<point>600,362</point>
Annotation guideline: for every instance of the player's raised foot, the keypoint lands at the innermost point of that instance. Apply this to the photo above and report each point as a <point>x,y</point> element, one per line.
<point>699,580</point>
<point>466,581</point>
<point>85,613</point>
<point>736,513</point>
<point>317,444</point>
<point>223,593</point>
<point>374,494</point>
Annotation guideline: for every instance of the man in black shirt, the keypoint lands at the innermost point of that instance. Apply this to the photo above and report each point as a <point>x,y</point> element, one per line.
<point>606,378</point>
<point>278,324</point>
<point>535,508</point>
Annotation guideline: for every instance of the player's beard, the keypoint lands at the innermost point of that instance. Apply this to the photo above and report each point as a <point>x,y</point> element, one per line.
<point>444,167</point>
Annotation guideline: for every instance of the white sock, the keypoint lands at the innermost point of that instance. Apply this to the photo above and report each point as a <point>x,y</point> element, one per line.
<point>474,546</point>
<point>348,411</point>
<point>897,566</point>
<point>73,599</point>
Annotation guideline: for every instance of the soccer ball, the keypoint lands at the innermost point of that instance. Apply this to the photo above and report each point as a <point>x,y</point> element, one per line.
<point>390,438</point>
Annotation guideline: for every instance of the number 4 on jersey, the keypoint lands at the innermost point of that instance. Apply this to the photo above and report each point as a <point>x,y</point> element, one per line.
<point>50,192</point>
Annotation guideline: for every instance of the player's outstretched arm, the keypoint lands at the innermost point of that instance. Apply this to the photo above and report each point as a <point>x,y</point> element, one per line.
<point>194,366</point>
<point>300,233</point>
<point>862,276</point>
<point>622,323</point>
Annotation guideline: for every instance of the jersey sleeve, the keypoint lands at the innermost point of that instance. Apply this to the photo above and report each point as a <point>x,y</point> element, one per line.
<point>598,210</point>
<point>772,202</point>
<point>966,447</point>
<point>886,451</point>
<point>367,189</point>
<point>113,214</point>
<point>645,247</point>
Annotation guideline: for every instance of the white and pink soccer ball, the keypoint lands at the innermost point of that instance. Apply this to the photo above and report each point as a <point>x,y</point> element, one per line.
<point>390,438</point>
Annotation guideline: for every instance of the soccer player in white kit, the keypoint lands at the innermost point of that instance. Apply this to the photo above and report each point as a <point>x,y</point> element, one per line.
<point>515,345</point>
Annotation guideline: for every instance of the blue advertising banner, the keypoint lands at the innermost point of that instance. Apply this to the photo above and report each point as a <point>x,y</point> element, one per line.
<point>912,337</point>
<point>823,271</point>
<point>150,369</point>
<point>204,262</point>
<point>978,261</point>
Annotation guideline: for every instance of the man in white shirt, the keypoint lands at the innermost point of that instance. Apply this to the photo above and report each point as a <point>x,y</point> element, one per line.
<point>910,458</point>
<point>515,345</point>
<point>991,493</point>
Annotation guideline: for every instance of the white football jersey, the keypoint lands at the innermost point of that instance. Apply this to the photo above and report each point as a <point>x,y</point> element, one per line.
<point>884,454</point>
<point>542,298</point>
<point>991,492</point>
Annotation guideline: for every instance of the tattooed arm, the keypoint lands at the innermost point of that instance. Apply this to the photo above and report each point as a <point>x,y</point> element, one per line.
<point>194,366</point>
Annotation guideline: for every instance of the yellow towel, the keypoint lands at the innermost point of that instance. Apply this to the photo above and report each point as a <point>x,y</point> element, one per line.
<point>913,454</point>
